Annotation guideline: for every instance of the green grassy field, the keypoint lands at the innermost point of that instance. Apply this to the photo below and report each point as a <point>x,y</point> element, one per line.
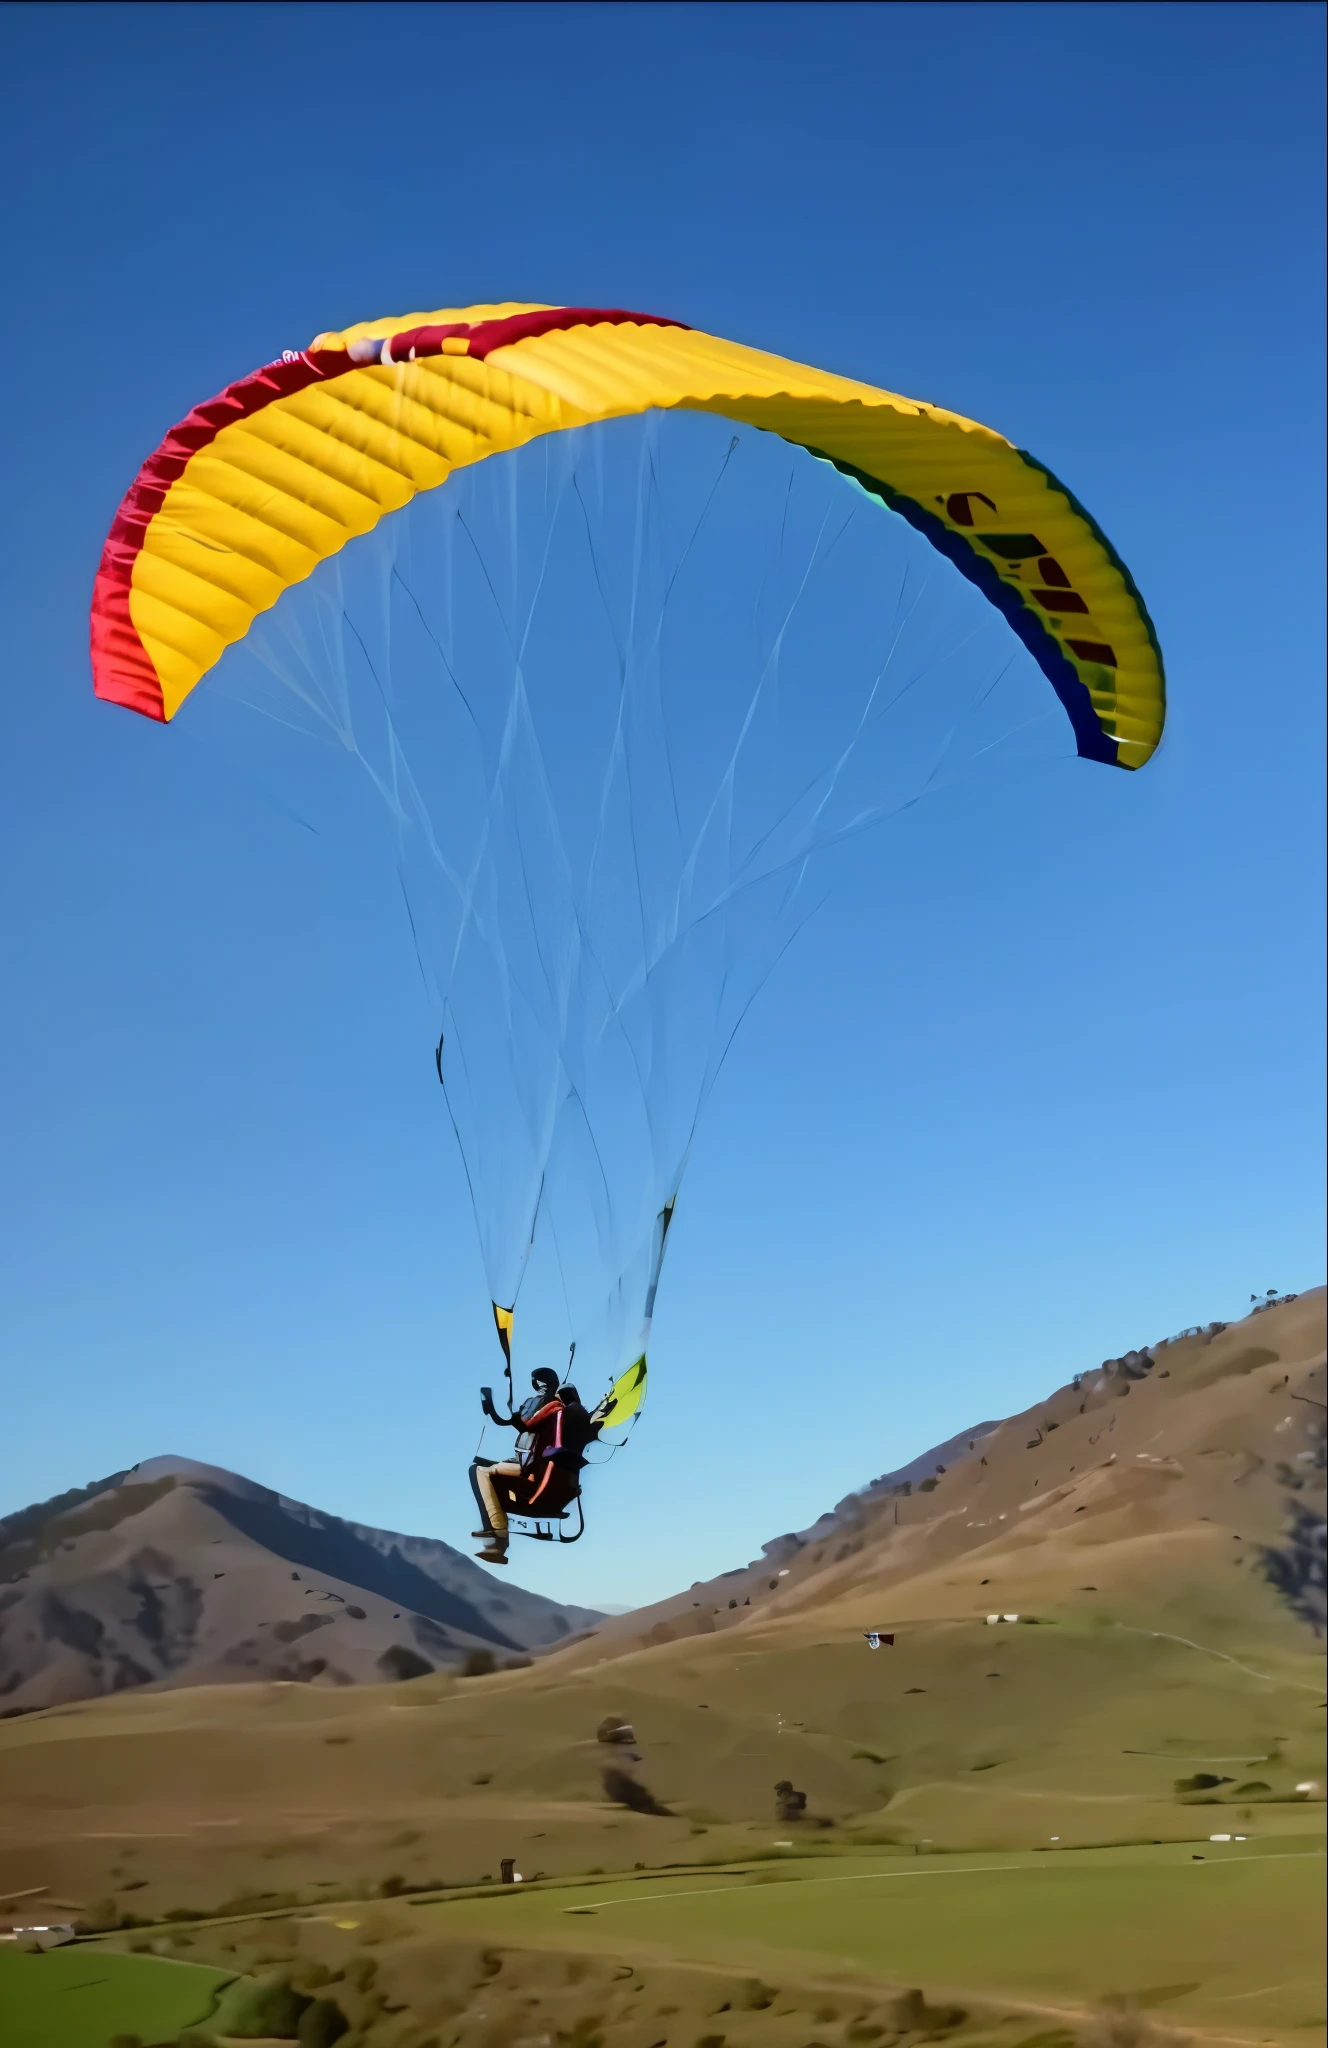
<point>1221,1939</point>
<point>80,1997</point>
<point>1231,1943</point>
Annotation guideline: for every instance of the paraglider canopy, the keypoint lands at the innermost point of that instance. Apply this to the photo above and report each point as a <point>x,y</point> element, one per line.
<point>609,749</point>
<point>258,486</point>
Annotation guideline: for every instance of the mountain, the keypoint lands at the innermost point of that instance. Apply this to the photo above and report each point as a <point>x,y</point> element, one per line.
<point>1194,1443</point>
<point>181,1573</point>
<point>1155,1525</point>
<point>1105,1628</point>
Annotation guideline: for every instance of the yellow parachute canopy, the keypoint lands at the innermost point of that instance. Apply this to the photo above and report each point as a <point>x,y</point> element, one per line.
<point>257,487</point>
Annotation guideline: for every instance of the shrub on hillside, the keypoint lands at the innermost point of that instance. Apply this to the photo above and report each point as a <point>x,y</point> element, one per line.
<point>1297,1568</point>
<point>1202,1781</point>
<point>790,1804</point>
<point>913,2015</point>
<point>1118,2023</point>
<point>625,1790</point>
<point>398,1663</point>
<point>321,2024</point>
<point>261,2008</point>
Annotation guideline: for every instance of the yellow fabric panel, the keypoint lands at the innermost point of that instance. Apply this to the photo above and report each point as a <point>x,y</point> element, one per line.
<point>502,1322</point>
<point>216,587</point>
<point>377,455</point>
<point>225,509</point>
<point>626,1394</point>
<point>300,500</point>
<point>485,398</point>
<point>354,462</point>
<point>933,453</point>
<point>291,484</point>
<point>927,454</point>
<point>295,458</point>
<point>182,647</point>
<point>231,555</point>
<point>387,425</point>
<point>604,371</point>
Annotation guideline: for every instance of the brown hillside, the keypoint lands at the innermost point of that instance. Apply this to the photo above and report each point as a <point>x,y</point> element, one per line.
<point>1127,1520</point>
<point>178,1573</point>
<point>1160,1461</point>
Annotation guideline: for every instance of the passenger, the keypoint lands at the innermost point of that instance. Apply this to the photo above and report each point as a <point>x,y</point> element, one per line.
<point>578,1430</point>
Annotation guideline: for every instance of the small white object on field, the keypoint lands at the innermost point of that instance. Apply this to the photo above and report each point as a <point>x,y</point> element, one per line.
<point>1308,1785</point>
<point>1219,1838</point>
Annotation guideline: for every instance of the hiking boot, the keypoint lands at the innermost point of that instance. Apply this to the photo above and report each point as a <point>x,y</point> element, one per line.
<point>493,1554</point>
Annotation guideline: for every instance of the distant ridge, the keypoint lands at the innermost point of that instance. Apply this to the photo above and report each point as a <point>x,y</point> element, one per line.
<point>992,1485</point>
<point>182,1573</point>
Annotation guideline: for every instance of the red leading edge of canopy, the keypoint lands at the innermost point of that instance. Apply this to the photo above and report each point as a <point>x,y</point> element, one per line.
<point>122,672</point>
<point>121,669</point>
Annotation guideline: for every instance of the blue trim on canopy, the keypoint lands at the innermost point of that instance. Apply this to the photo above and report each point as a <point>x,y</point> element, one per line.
<point>1092,742</point>
<point>1110,552</point>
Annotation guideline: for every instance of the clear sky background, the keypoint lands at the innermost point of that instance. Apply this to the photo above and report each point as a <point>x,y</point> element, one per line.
<point>1050,1090</point>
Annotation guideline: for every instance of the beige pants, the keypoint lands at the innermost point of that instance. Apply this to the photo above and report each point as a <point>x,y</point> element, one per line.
<point>493,1507</point>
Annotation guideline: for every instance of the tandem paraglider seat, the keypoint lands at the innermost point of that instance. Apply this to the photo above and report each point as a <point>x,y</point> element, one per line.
<point>546,1497</point>
<point>546,1501</point>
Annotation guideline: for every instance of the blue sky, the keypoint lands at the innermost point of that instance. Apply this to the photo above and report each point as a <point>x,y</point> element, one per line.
<point>1042,1084</point>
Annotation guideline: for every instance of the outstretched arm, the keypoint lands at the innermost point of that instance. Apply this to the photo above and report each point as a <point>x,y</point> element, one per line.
<point>486,1403</point>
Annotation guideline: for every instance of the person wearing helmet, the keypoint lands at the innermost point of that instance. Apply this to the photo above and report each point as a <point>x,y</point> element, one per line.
<point>538,1425</point>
